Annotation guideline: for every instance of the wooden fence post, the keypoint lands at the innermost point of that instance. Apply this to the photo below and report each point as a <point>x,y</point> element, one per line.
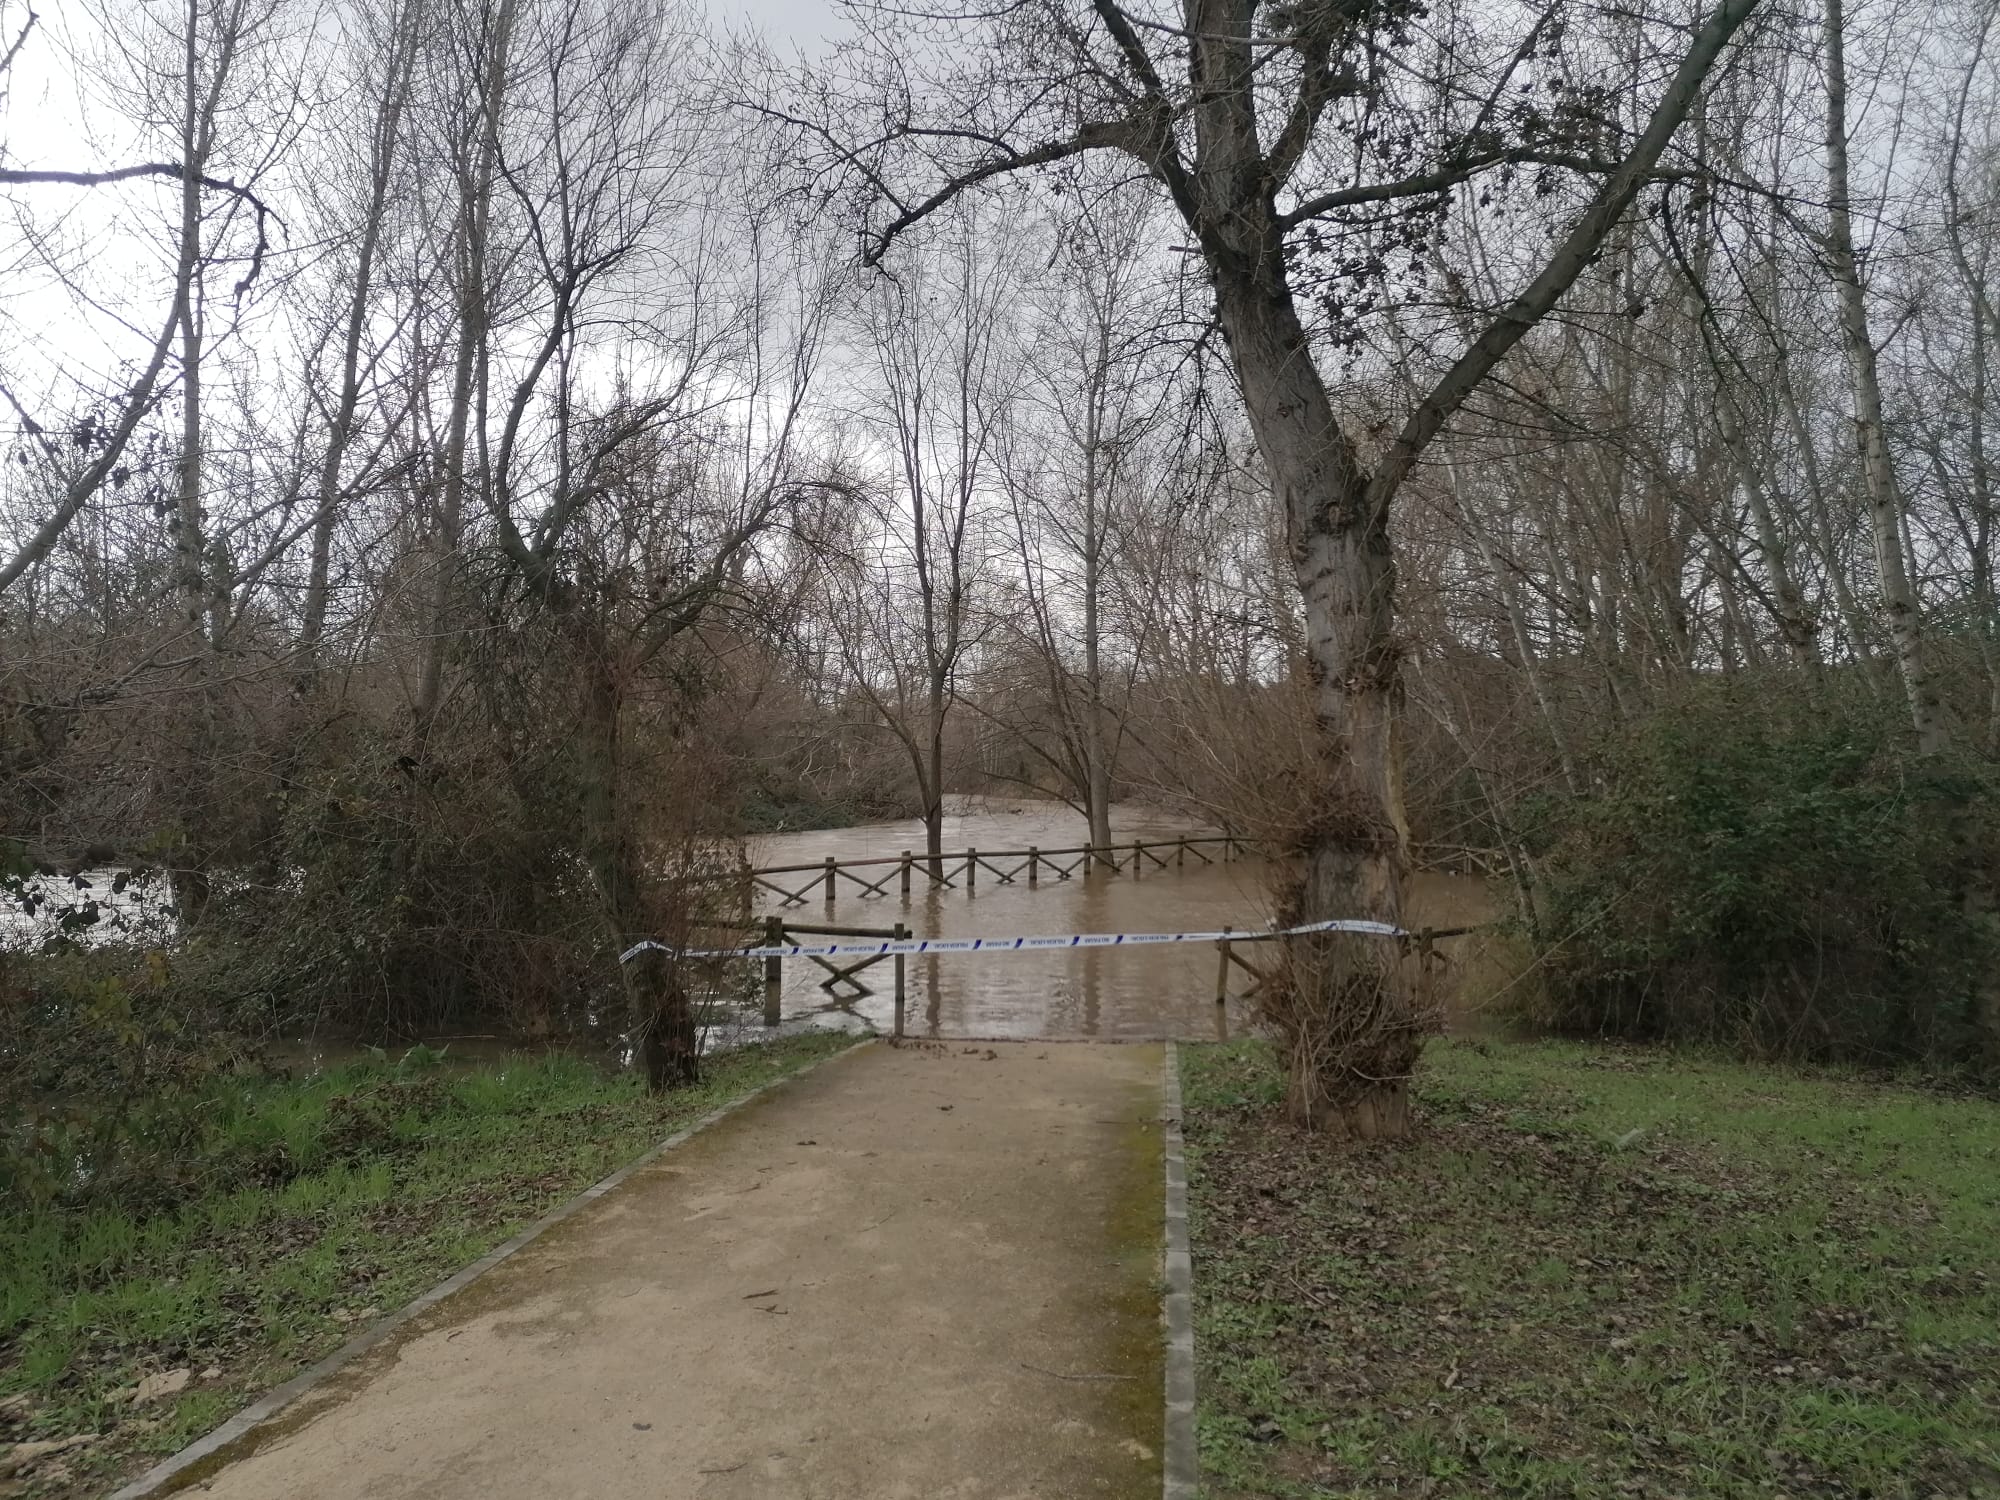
<point>1222,969</point>
<point>902,933</point>
<point>1180,855</point>
<point>906,875</point>
<point>832,874</point>
<point>774,971</point>
<point>971,868</point>
<point>1034,862</point>
<point>1138,857</point>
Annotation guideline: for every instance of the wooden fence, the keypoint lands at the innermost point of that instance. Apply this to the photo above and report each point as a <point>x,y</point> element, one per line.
<point>956,869</point>
<point>1423,942</point>
<point>960,869</point>
<point>777,932</point>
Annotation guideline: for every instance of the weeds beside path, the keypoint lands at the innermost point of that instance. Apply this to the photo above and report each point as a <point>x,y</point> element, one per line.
<point>335,1199</point>
<point>1598,1272</point>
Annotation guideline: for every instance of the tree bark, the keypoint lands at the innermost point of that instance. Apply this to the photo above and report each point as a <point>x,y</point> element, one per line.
<point>1352,1020</point>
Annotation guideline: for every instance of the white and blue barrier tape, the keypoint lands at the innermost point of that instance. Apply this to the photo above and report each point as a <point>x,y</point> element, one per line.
<point>891,946</point>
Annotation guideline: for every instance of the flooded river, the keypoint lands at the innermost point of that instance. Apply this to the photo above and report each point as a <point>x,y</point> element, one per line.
<point>1126,994</point>
<point>1122,994</point>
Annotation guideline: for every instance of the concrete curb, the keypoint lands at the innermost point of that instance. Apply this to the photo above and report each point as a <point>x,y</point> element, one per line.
<point>1180,1470</point>
<point>160,1478</point>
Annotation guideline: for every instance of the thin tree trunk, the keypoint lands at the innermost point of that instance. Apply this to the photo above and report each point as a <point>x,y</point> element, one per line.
<point>1097,770</point>
<point>662,1017</point>
<point>191,873</point>
<point>347,399</point>
<point>933,779</point>
<point>1524,646</point>
<point>475,213</point>
<point>1885,506</point>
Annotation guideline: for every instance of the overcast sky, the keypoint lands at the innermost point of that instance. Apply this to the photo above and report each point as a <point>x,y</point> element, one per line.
<point>805,23</point>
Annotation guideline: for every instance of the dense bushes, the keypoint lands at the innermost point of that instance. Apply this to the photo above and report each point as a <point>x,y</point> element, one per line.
<point>1772,867</point>
<point>398,898</point>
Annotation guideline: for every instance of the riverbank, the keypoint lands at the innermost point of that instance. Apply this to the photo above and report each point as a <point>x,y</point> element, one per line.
<point>1597,1272</point>
<point>320,1205</point>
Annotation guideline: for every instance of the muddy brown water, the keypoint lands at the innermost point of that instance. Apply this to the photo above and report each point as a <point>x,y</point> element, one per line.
<point>1132,994</point>
<point>1117,994</point>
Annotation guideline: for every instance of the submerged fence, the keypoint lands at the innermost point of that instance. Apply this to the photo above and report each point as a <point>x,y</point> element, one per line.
<point>957,869</point>
<point>896,944</point>
<point>880,876</point>
<point>960,869</point>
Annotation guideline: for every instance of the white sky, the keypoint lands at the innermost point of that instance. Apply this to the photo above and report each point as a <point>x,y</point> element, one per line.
<point>47,121</point>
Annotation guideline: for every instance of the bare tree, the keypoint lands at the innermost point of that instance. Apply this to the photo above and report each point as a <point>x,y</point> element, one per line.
<point>1266,132</point>
<point>1090,458</point>
<point>1885,506</point>
<point>934,402</point>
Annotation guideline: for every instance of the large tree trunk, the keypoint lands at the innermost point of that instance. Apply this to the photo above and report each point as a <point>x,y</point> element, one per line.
<point>1350,1012</point>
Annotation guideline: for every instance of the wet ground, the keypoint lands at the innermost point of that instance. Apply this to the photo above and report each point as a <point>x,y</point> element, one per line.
<point>1119,994</point>
<point>915,1273</point>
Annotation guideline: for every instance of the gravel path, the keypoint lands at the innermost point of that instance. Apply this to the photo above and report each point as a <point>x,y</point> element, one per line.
<point>918,1273</point>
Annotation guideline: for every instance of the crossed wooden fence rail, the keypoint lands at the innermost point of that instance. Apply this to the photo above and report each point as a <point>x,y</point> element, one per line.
<point>1424,941</point>
<point>779,932</point>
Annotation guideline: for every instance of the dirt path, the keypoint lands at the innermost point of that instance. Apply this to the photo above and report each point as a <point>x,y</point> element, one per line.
<point>926,1273</point>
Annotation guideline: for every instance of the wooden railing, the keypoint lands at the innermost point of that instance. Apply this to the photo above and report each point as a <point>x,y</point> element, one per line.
<point>953,868</point>
<point>778,932</point>
<point>1422,942</point>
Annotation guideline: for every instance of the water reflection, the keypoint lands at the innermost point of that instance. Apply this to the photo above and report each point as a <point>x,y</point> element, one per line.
<point>1125,994</point>
<point>1128,994</point>
<point>1142,993</point>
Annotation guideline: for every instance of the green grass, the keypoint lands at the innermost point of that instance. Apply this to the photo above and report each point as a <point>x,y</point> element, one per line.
<point>315,1206</point>
<point>1598,1272</point>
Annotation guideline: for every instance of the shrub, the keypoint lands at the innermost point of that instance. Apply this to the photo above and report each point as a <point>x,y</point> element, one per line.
<point>394,900</point>
<point>1771,866</point>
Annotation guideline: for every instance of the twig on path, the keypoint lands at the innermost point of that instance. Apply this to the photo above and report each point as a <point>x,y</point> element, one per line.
<point>753,1296</point>
<point>1058,1374</point>
<point>1305,1291</point>
<point>730,1470</point>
